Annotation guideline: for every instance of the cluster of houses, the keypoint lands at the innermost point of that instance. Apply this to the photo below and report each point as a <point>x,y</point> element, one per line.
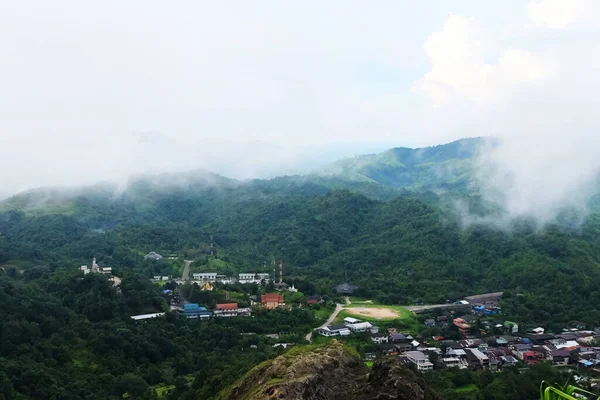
<point>350,325</point>
<point>572,347</point>
<point>195,311</point>
<point>159,278</point>
<point>499,346</point>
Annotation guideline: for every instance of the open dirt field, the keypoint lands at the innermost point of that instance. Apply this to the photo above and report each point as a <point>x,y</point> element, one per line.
<point>373,312</point>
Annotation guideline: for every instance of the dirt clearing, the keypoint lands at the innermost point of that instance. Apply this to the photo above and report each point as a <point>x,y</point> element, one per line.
<point>374,312</point>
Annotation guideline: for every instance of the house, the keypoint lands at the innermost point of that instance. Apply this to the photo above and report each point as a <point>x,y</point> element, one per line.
<point>509,360</point>
<point>246,277</point>
<point>519,350</point>
<point>153,256</point>
<point>345,289</point>
<point>225,279</point>
<point>477,359</point>
<point>316,299</point>
<point>334,330</point>
<point>452,362</point>
<point>231,310</point>
<point>350,321</point>
<point>450,352</point>
<point>419,360</point>
<point>205,276</point>
<point>403,346</point>
<point>462,326</point>
<point>271,300</point>
<point>388,349</point>
<point>559,357</point>
<point>564,344</point>
<point>531,357</point>
<point>363,327</point>
<point>510,339</point>
<point>430,322</point>
<point>194,311</point>
<point>380,338</point>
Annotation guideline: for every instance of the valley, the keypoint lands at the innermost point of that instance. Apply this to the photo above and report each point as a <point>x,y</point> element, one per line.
<point>388,232</point>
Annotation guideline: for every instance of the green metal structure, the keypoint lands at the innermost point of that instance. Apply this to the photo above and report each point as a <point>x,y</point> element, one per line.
<point>557,392</point>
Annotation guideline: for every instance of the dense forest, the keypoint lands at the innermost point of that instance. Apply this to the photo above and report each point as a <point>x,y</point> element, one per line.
<point>65,336</point>
<point>410,249</point>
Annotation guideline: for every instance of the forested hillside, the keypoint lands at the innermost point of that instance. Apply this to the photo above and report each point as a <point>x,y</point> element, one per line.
<point>68,336</point>
<point>444,167</point>
<point>412,248</point>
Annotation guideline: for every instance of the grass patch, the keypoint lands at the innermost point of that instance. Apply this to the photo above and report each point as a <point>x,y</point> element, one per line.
<point>162,390</point>
<point>369,364</point>
<point>213,265</point>
<point>323,313</point>
<point>471,387</point>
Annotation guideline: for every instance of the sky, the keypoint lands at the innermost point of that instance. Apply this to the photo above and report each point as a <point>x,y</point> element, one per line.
<point>103,89</point>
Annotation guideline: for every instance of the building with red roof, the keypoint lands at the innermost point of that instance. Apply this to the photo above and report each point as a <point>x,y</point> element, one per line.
<point>271,300</point>
<point>227,306</point>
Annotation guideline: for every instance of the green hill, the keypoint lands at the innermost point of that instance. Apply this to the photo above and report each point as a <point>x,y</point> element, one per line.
<point>443,167</point>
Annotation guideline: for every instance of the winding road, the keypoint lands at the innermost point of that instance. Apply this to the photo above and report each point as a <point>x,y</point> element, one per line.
<point>338,307</point>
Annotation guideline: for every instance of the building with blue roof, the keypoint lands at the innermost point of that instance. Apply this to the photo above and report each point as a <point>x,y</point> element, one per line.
<point>193,310</point>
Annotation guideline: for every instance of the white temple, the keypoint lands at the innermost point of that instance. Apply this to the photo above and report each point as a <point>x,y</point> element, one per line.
<point>96,269</point>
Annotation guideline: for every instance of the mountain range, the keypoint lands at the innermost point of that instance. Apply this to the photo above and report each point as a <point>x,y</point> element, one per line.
<point>439,168</point>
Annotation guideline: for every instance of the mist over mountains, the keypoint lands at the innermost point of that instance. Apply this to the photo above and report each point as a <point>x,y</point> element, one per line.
<point>527,186</point>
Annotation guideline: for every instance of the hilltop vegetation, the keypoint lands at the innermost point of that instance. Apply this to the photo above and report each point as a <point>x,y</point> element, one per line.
<point>328,372</point>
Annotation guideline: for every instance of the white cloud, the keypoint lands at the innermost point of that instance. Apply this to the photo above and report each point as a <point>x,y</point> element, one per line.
<point>538,98</point>
<point>459,70</point>
<point>558,14</point>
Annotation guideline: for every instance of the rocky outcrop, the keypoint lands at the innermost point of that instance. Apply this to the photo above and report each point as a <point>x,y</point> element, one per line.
<point>330,372</point>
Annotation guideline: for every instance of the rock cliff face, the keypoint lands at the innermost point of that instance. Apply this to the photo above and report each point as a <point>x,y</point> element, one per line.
<point>330,372</point>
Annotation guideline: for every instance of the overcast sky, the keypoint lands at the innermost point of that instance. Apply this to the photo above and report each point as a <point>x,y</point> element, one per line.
<point>99,89</point>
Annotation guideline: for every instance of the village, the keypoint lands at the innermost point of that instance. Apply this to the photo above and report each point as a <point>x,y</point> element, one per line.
<point>465,334</point>
<point>481,339</point>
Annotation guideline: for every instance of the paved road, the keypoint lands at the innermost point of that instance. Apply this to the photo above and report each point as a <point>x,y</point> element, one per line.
<point>186,270</point>
<point>338,307</point>
<point>431,307</point>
